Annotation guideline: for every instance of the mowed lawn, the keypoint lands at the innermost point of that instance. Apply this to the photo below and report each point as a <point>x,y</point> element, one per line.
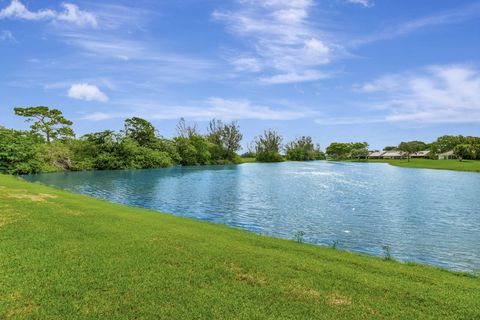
<point>67,256</point>
<point>465,165</point>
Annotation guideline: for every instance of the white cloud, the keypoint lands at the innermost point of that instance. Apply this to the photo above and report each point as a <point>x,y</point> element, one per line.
<point>17,10</point>
<point>6,35</point>
<point>294,77</point>
<point>245,63</point>
<point>88,92</point>
<point>443,18</point>
<point>365,3</point>
<point>76,16</point>
<point>72,14</point>
<point>219,108</point>
<point>281,38</point>
<point>438,94</point>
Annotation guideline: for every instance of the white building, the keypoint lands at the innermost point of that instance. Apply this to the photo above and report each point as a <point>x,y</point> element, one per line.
<point>446,155</point>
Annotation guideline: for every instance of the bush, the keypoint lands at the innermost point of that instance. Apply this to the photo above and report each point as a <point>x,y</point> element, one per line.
<point>19,152</point>
<point>56,156</point>
<point>269,156</point>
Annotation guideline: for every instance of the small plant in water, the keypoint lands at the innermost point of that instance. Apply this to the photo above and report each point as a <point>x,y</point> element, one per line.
<point>298,236</point>
<point>387,253</point>
<point>334,244</point>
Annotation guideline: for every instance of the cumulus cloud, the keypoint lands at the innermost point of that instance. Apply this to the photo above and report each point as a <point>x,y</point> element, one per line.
<point>17,10</point>
<point>71,14</point>
<point>282,40</point>
<point>365,3</point>
<point>437,94</point>
<point>88,92</point>
<point>76,16</point>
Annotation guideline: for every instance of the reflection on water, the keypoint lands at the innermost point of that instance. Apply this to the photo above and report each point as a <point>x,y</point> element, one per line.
<point>427,216</point>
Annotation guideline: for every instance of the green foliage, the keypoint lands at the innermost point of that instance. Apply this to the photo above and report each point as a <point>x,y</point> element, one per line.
<point>224,139</point>
<point>56,156</point>
<point>303,149</point>
<point>448,143</point>
<point>411,147</point>
<point>267,147</point>
<point>464,151</point>
<point>19,152</point>
<point>141,131</point>
<point>352,150</point>
<point>51,146</point>
<point>390,148</point>
<point>110,150</point>
<point>193,150</point>
<point>48,122</point>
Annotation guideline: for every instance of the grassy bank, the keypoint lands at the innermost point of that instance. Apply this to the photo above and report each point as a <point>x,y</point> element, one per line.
<point>247,160</point>
<point>465,165</point>
<point>67,256</point>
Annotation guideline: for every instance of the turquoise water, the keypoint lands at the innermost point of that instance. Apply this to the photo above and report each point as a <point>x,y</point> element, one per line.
<point>426,216</point>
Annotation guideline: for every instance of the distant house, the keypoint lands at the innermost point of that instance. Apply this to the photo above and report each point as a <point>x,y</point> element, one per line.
<point>421,154</point>
<point>446,155</point>
<point>394,155</point>
<point>375,154</point>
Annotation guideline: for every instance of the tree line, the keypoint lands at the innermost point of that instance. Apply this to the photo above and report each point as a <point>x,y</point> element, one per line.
<point>463,147</point>
<point>51,145</point>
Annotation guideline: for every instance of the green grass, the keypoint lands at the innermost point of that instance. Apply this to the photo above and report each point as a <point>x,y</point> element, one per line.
<point>247,160</point>
<point>68,256</point>
<point>465,165</point>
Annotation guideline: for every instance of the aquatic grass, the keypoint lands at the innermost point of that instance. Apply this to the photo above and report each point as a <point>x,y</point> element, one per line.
<point>387,253</point>
<point>334,244</point>
<point>68,256</point>
<point>298,236</point>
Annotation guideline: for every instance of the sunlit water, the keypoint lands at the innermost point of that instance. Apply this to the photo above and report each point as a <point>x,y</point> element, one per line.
<point>426,216</point>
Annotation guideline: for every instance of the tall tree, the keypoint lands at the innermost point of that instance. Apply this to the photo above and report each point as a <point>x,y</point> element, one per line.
<point>303,149</point>
<point>232,137</point>
<point>339,150</point>
<point>48,122</point>
<point>186,131</point>
<point>225,136</point>
<point>268,146</point>
<point>411,147</point>
<point>464,151</point>
<point>140,130</point>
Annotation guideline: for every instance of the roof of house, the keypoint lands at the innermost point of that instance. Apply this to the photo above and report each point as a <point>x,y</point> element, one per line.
<point>421,153</point>
<point>448,153</point>
<point>376,153</point>
<point>394,154</point>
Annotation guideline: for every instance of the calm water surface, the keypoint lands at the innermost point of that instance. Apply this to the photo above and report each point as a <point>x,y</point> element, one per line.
<point>426,216</point>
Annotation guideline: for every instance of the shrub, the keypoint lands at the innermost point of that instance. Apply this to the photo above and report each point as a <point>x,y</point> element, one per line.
<point>19,152</point>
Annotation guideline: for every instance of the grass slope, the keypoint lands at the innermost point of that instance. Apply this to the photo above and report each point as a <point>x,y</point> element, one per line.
<point>67,256</point>
<point>465,165</point>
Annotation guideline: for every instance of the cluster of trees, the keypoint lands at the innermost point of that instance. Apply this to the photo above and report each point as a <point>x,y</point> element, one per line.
<point>269,147</point>
<point>351,150</point>
<point>462,147</point>
<point>51,145</point>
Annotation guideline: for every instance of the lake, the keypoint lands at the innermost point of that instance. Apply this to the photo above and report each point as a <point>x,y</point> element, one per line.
<point>425,216</point>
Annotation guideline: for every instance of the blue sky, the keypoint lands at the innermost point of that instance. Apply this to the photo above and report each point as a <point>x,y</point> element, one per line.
<point>379,71</point>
